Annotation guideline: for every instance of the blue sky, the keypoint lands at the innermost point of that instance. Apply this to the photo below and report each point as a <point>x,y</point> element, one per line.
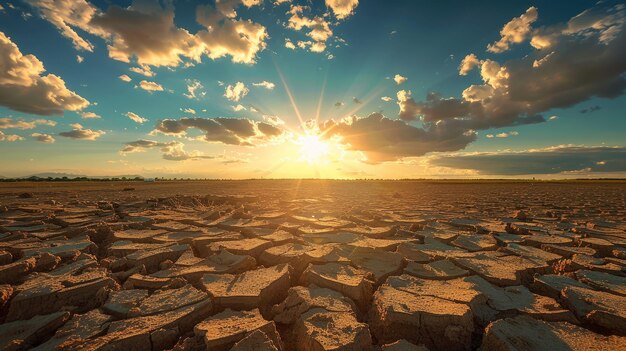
<point>371,42</point>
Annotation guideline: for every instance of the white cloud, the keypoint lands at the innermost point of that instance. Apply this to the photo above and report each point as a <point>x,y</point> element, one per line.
<point>265,84</point>
<point>236,92</point>
<point>79,59</point>
<point>136,118</point>
<point>44,138</point>
<point>386,98</point>
<point>469,62</point>
<point>9,123</point>
<point>9,137</point>
<point>125,78</point>
<point>552,118</point>
<point>23,87</point>
<point>319,29</point>
<point>171,151</point>
<point>189,110</point>
<point>150,86</point>
<point>515,32</point>
<point>342,8</point>
<point>143,70</point>
<point>289,44</point>
<point>399,79</point>
<point>238,108</point>
<point>88,115</point>
<point>194,89</point>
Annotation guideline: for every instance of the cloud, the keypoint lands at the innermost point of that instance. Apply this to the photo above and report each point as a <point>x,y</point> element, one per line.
<point>10,123</point>
<point>66,14</point>
<point>194,86</point>
<point>273,120</point>
<point>150,86</point>
<point>171,151</point>
<point>552,160</point>
<point>239,108</point>
<point>582,64</point>
<point>79,59</point>
<point>125,78</point>
<point>226,35</point>
<point>145,31</point>
<point>79,132</point>
<point>469,63</point>
<point>23,87</point>
<point>515,32</point>
<point>236,92</point>
<point>265,84</point>
<point>553,118</point>
<point>502,135</point>
<point>342,8</point>
<point>289,44</point>
<point>356,100</point>
<point>189,111</point>
<point>136,118</point>
<point>383,139</point>
<point>339,104</point>
<point>399,79</point>
<point>44,138</point>
<point>319,29</point>
<point>590,109</point>
<point>9,137</point>
<point>143,70</point>
<point>89,115</point>
<point>231,131</point>
<point>386,98</point>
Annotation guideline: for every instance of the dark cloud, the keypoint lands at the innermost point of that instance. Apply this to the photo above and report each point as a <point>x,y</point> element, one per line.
<point>383,139</point>
<point>24,88</point>
<point>571,63</point>
<point>339,104</point>
<point>81,133</point>
<point>590,109</point>
<point>232,131</point>
<point>171,151</point>
<point>356,100</point>
<point>561,159</point>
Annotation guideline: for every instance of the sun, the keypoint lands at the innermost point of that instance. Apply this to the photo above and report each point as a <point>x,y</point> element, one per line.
<point>312,148</point>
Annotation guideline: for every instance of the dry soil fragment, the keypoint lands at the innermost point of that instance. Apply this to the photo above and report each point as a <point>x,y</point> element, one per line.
<point>223,330</point>
<point>168,300</point>
<point>603,281</point>
<point>321,330</point>
<point>151,258</point>
<point>437,270</point>
<point>518,299</point>
<point>403,345</point>
<point>81,326</point>
<point>121,302</point>
<point>536,255</point>
<point>138,235</point>
<point>300,299</point>
<point>552,285</point>
<point>498,269</point>
<point>477,242</point>
<point>435,313</point>
<point>351,282</point>
<point>25,334</point>
<point>596,307</point>
<point>259,288</point>
<point>380,263</point>
<point>526,333</point>
<point>250,246</point>
<point>255,341</point>
<point>159,331</point>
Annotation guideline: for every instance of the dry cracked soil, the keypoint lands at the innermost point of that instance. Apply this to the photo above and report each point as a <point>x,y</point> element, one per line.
<point>313,265</point>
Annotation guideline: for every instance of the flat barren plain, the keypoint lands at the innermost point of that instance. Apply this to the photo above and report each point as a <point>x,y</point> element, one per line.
<point>313,265</point>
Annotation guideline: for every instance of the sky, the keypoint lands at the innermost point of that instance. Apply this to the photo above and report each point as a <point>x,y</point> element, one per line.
<point>313,89</point>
